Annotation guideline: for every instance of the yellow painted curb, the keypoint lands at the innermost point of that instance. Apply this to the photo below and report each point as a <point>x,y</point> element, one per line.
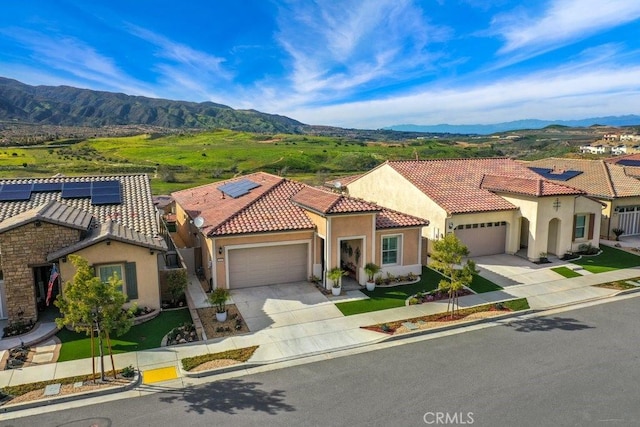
<point>160,374</point>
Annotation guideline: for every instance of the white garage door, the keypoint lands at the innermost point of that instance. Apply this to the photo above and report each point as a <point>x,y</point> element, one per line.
<point>483,239</point>
<point>267,265</point>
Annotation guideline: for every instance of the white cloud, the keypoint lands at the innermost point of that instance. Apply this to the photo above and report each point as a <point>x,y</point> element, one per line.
<point>75,58</point>
<point>545,95</point>
<point>561,23</point>
<point>338,48</point>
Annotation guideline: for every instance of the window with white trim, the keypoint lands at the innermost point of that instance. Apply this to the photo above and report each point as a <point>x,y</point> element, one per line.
<point>391,250</point>
<point>581,226</point>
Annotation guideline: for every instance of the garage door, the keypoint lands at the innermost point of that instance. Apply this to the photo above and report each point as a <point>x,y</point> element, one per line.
<point>483,239</point>
<point>267,265</point>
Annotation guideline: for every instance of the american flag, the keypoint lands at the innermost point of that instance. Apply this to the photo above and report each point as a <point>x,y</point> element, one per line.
<point>52,280</point>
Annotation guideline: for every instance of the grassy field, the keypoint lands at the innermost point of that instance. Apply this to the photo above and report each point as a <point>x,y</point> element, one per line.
<point>382,298</point>
<point>141,337</point>
<point>610,259</point>
<point>180,161</point>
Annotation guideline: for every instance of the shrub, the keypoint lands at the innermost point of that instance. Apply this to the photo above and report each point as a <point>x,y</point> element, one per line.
<point>128,372</point>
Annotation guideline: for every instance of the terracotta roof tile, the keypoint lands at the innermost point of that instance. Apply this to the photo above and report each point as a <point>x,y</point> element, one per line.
<point>329,203</point>
<point>598,178</point>
<point>454,184</point>
<point>530,186</point>
<point>278,204</point>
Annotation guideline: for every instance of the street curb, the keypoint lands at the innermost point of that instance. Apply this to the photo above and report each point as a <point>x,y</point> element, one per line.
<point>70,397</point>
<point>217,371</point>
<point>458,325</point>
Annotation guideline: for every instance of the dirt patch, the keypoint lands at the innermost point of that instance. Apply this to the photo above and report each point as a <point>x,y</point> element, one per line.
<point>434,321</point>
<point>213,364</point>
<point>234,324</point>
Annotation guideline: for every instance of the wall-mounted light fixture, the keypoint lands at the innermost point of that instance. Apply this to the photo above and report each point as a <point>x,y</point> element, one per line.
<point>38,223</point>
<point>64,259</point>
<point>220,250</point>
<point>450,225</point>
<point>151,251</point>
<point>108,242</point>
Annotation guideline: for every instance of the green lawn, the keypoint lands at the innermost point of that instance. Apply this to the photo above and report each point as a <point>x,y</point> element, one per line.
<point>141,337</point>
<point>566,272</point>
<point>610,259</point>
<point>383,298</point>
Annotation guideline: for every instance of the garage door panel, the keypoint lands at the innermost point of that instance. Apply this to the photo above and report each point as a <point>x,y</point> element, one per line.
<point>483,240</point>
<point>267,265</point>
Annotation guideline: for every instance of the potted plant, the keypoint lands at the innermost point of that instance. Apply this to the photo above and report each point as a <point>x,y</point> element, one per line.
<point>371,269</point>
<point>335,275</point>
<point>219,298</point>
<point>618,232</point>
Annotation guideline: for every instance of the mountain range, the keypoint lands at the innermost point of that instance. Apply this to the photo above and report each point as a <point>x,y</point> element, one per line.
<point>69,106</point>
<point>627,120</point>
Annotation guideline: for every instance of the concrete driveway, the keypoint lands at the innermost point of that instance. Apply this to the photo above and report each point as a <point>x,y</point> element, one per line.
<point>510,270</point>
<point>267,307</point>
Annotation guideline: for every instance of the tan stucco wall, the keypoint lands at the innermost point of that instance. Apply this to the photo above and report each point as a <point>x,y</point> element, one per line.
<point>388,188</point>
<point>184,228</point>
<point>540,211</point>
<point>219,268</point>
<point>352,226</point>
<point>121,253</point>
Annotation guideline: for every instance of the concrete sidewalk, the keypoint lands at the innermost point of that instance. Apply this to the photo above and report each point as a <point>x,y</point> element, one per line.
<point>322,336</point>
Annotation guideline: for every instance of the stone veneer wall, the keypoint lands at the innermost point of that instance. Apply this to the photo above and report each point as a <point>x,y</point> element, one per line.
<point>25,247</point>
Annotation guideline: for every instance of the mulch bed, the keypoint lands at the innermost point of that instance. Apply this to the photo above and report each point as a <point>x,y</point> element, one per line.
<point>234,325</point>
<point>439,319</point>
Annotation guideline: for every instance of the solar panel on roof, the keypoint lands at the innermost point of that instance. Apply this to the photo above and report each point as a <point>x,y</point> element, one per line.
<point>629,162</point>
<point>105,190</point>
<point>47,186</point>
<point>14,192</point>
<point>76,184</point>
<point>238,188</point>
<point>75,193</point>
<point>106,184</point>
<point>106,199</point>
<point>555,176</point>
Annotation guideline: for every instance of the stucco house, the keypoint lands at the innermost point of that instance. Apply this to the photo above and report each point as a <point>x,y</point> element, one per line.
<point>494,205</point>
<point>109,220</point>
<point>614,182</point>
<point>262,229</point>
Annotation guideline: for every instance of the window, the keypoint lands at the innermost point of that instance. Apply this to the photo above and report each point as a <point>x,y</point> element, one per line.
<point>390,250</point>
<point>581,225</point>
<point>106,271</point>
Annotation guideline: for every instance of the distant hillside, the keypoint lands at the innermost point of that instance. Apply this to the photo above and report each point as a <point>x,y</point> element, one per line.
<point>628,120</point>
<point>69,106</point>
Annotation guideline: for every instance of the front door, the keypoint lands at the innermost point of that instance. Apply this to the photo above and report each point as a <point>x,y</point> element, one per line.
<point>41,277</point>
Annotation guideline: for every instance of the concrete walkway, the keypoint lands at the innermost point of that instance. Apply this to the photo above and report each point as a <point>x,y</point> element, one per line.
<point>311,337</point>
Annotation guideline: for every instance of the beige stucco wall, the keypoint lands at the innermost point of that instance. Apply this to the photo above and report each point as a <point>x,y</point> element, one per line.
<point>388,188</point>
<point>410,251</point>
<point>184,228</point>
<point>121,253</point>
<point>219,267</point>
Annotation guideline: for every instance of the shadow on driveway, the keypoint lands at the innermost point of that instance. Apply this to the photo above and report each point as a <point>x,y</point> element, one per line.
<point>548,324</point>
<point>231,396</point>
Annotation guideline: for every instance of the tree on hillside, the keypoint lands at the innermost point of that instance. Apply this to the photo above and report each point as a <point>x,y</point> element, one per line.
<point>447,258</point>
<point>92,306</point>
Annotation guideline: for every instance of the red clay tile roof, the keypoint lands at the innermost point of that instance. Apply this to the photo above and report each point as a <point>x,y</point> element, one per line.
<point>599,178</point>
<point>388,218</point>
<point>330,203</point>
<point>262,209</point>
<point>530,186</point>
<point>454,184</point>
<point>343,181</point>
<point>278,204</point>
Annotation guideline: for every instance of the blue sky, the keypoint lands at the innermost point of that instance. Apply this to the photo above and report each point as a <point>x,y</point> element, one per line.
<point>363,64</point>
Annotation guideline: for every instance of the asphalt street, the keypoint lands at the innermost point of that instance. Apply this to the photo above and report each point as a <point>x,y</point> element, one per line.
<point>573,368</point>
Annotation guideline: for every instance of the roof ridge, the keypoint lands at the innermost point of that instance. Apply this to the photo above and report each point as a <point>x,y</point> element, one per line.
<point>607,173</point>
<point>449,159</point>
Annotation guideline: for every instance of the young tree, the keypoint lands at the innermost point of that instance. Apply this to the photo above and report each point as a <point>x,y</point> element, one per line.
<point>447,258</point>
<point>177,284</point>
<point>90,305</point>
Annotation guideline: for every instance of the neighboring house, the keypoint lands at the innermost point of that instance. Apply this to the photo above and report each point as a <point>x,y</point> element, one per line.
<point>613,181</point>
<point>109,220</point>
<point>619,150</point>
<point>494,205</point>
<point>262,229</point>
<point>594,149</point>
